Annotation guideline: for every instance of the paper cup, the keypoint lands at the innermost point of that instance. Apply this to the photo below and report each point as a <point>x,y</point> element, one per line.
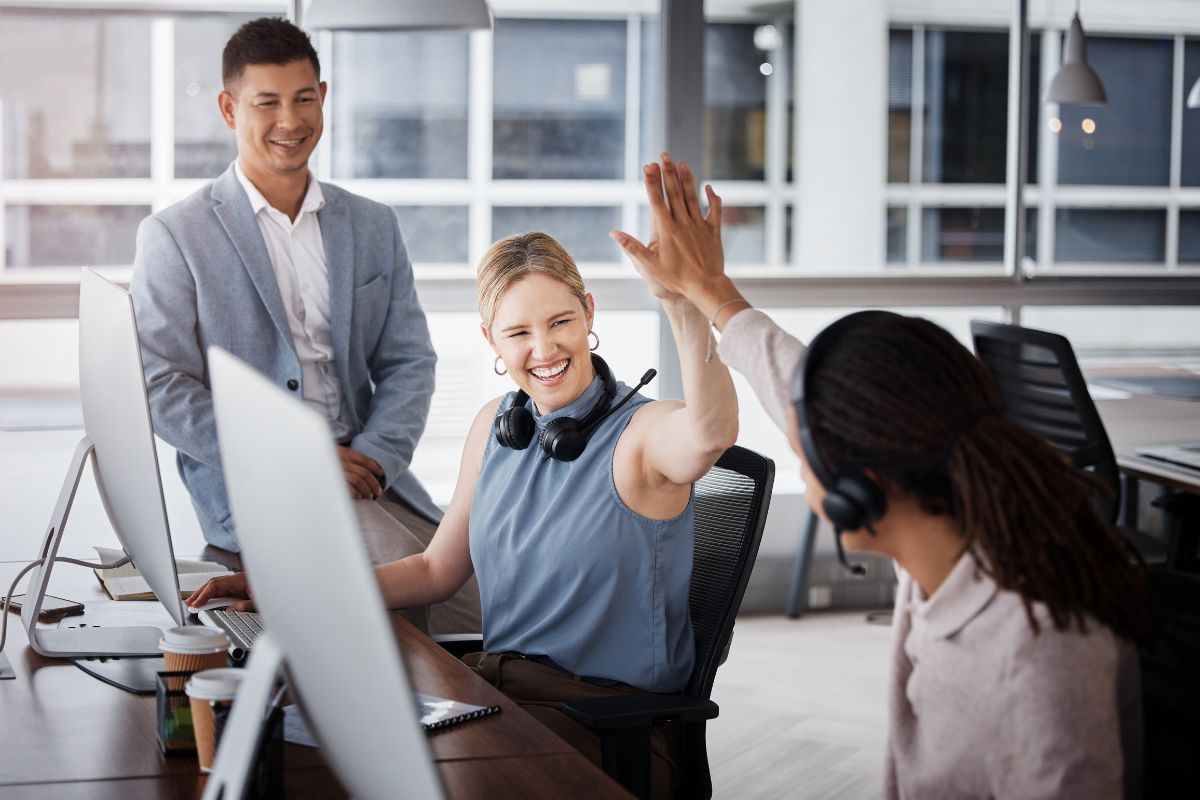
<point>204,690</point>
<point>193,648</point>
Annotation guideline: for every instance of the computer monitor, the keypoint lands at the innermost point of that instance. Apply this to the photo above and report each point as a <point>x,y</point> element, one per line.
<point>314,585</point>
<point>119,442</point>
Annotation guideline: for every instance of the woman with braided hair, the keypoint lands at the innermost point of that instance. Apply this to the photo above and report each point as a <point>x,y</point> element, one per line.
<point>1013,672</point>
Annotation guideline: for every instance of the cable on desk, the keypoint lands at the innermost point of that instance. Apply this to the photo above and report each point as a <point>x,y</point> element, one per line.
<point>13,586</point>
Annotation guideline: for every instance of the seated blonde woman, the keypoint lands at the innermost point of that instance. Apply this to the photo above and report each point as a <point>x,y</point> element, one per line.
<point>577,522</point>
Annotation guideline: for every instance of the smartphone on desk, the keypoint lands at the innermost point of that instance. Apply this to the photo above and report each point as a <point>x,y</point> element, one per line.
<point>52,607</point>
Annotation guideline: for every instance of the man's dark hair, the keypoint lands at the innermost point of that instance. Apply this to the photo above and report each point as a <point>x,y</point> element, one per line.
<point>267,40</point>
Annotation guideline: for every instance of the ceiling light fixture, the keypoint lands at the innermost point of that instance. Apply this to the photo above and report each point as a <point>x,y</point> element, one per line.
<point>1076,81</point>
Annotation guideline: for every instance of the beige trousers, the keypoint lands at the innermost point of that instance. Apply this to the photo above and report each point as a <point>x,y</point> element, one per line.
<point>539,689</point>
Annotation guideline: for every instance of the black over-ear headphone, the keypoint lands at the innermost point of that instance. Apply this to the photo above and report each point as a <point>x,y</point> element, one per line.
<point>563,438</point>
<point>852,500</point>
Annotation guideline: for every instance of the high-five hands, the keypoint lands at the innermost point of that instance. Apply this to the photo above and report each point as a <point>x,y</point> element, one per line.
<point>684,256</point>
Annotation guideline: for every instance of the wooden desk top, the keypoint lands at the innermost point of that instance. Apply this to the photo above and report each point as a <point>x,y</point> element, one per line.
<point>66,734</point>
<point>1145,420</point>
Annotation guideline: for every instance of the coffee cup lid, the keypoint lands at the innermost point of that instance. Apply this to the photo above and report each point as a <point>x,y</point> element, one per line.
<point>214,684</point>
<point>193,639</point>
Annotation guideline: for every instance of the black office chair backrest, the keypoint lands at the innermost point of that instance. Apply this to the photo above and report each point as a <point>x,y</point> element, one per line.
<point>731,510</point>
<point>1043,389</point>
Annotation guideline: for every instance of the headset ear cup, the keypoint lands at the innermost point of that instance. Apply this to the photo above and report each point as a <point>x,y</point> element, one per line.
<point>514,428</point>
<point>854,502</point>
<point>842,511</point>
<point>561,439</point>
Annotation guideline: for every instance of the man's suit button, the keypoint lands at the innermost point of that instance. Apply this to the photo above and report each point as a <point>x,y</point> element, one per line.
<point>293,384</point>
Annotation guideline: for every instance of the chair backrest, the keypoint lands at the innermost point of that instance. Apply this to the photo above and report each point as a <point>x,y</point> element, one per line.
<point>731,510</point>
<point>1043,389</point>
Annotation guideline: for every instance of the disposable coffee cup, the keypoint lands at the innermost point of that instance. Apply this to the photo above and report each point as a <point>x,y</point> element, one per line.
<point>207,690</point>
<point>193,647</point>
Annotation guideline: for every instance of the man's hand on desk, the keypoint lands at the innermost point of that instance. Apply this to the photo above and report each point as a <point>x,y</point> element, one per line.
<point>363,474</point>
<point>235,585</point>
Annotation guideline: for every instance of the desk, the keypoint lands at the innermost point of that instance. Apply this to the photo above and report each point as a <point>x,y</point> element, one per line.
<point>64,734</point>
<point>1143,420</point>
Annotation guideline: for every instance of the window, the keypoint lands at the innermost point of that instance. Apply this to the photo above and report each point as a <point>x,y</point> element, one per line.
<point>435,234</point>
<point>735,104</point>
<point>76,95</point>
<point>1128,141</point>
<point>399,105</point>
<point>1189,237</point>
<point>204,146</point>
<point>559,97</point>
<point>966,107</point>
<point>1191,117</point>
<point>582,231</point>
<point>56,236</point>
<point>1113,235</point>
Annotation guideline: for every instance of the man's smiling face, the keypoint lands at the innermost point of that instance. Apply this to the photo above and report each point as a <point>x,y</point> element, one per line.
<point>276,111</point>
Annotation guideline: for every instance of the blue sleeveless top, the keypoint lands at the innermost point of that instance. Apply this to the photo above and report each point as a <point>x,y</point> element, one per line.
<point>567,570</point>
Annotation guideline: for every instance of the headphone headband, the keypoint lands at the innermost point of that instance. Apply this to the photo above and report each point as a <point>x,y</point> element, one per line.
<point>852,500</point>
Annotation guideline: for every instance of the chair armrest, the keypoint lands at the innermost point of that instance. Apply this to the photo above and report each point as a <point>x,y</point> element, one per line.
<point>639,710</point>
<point>459,644</point>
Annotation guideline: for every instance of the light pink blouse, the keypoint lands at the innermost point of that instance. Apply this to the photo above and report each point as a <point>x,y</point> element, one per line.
<point>979,705</point>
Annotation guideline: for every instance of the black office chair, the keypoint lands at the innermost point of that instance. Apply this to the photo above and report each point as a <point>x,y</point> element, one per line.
<point>1043,389</point>
<point>731,510</point>
<point>1170,689</point>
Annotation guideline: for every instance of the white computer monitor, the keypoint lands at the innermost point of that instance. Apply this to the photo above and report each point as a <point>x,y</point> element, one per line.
<point>119,443</point>
<point>314,585</point>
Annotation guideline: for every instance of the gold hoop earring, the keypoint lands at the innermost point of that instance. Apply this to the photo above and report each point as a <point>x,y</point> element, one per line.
<point>596,346</point>
<point>496,367</point>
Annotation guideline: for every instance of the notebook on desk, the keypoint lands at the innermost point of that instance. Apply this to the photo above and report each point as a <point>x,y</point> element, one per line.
<point>1180,455</point>
<point>243,629</point>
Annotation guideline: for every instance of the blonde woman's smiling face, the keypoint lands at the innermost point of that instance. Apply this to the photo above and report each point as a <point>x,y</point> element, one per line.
<point>540,331</point>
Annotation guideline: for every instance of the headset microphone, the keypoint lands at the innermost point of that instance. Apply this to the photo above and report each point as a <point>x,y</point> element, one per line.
<point>857,570</point>
<point>649,376</point>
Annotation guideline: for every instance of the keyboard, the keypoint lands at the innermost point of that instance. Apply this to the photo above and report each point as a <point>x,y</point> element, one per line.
<point>242,627</point>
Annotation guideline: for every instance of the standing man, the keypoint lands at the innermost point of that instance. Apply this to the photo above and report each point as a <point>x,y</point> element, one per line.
<point>306,282</point>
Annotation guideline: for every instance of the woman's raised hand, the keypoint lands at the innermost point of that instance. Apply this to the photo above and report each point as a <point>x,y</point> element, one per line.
<point>684,255</point>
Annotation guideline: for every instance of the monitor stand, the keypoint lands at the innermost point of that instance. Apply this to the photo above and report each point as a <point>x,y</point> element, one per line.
<point>80,642</point>
<point>136,675</point>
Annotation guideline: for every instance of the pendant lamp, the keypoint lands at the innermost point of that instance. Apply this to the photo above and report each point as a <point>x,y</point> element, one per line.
<point>1075,81</point>
<point>377,15</point>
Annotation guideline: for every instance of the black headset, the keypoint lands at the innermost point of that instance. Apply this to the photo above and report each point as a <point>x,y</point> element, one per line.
<point>852,500</point>
<point>563,438</point>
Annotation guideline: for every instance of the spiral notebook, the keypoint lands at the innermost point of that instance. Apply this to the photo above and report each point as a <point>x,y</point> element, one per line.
<point>440,712</point>
<point>437,713</point>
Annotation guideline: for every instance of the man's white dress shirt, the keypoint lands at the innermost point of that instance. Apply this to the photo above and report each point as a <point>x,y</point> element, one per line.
<point>297,255</point>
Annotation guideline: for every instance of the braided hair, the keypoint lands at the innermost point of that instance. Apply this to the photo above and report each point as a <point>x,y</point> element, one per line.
<point>900,396</point>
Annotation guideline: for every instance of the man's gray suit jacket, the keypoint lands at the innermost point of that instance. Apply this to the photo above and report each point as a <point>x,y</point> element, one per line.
<point>202,277</point>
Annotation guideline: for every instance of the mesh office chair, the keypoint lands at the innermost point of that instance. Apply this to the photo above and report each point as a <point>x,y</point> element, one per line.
<point>731,510</point>
<point>1043,389</point>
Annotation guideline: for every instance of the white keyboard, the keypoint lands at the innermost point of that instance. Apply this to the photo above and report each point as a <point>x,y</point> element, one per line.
<point>242,627</point>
